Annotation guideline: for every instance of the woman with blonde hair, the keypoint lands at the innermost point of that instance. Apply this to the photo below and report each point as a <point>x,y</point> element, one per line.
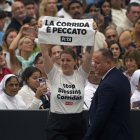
<point>48,8</point>
<point>22,51</point>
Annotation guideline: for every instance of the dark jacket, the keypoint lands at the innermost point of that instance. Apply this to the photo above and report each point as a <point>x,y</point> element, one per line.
<point>110,109</point>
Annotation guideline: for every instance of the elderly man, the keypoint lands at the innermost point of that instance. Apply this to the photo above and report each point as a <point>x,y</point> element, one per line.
<point>18,15</point>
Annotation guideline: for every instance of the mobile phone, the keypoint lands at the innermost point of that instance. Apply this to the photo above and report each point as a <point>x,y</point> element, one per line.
<point>42,81</point>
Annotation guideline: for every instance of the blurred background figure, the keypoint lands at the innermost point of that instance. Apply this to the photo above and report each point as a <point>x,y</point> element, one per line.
<point>48,8</point>
<point>116,50</point>
<point>2,24</point>
<point>90,87</point>
<point>132,13</point>
<point>64,12</point>
<point>8,37</point>
<point>111,34</point>
<point>18,15</point>
<point>135,98</point>
<point>4,70</point>
<point>30,8</point>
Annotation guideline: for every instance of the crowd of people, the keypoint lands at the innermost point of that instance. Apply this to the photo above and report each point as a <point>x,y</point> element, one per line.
<point>103,78</point>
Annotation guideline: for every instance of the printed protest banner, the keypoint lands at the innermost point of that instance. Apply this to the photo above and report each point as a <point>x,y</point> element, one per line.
<point>63,31</point>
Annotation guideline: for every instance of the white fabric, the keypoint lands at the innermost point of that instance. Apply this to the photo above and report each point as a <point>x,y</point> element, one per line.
<point>126,24</point>
<point>99,41</point>
<point>64,31</point>
<point>88,94</point>
<point>70,87</point>
<point>137,1</point>
<point>136,96</point>
<point>63,13</point>
<point>5,7</point>
<point>29,98</point>
<point>118,16</point>
<point>134,80</point>
<point>11,102</point>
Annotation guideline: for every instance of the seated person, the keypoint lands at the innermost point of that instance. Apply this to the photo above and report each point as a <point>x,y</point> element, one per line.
<point>9,99</point>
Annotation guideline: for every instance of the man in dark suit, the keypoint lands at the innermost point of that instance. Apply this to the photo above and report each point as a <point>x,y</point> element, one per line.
<point>110,107</point>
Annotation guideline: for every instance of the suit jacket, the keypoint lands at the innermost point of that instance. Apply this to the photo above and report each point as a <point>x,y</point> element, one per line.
<point>110,108</point>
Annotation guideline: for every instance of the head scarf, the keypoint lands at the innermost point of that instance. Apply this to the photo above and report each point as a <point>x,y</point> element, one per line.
<point>3,81</point>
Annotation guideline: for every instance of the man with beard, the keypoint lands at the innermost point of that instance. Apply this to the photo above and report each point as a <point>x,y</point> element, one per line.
<point>75,9</point>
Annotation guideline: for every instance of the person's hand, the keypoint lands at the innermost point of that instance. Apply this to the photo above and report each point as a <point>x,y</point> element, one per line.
<point>41,90</point>
<point>39,23</point>
<point>23,29</point>
<point>29,31</point>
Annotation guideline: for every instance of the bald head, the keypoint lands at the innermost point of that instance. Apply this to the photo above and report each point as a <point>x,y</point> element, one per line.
<point>18,10</point>
<point>125,39</point>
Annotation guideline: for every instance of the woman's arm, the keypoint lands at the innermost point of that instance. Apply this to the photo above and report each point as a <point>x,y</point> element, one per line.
<point>87,59</point>
<point>48,64</point>
<point>12,51</point>
<point>89,53</point>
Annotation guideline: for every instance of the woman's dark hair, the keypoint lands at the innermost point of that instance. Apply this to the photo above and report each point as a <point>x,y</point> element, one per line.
<point>28,72</point>
<point>70,52</point>
<point>132,54</point>
<point>89,7</point>
<point>10,79</point>
<point>101,4</point>
<point>28,20</point>
<point>108,18</point>
<point>112,42</point>
<point>37,57</point>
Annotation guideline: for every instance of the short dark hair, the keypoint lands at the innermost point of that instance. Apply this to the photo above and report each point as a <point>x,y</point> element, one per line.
<point>107,53</point>
<point>28,2</point>
<point>132,54</point>
<point>130,5</point>
<point>74,1</point>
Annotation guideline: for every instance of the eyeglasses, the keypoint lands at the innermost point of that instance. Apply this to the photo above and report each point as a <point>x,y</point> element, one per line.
<point>28,42</point>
